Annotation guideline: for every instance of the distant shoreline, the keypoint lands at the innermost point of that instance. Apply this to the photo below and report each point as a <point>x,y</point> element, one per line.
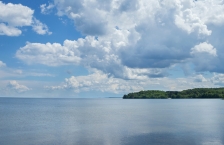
<point>196,93</point>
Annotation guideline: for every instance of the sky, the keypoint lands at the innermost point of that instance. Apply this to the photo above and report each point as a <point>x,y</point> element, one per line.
<point>108,48</point>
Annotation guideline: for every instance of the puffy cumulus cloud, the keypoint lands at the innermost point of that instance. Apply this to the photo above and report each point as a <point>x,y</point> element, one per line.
<point>188,15</point>
<point>49,54</point>
<point>136,39</point>
<point>89,52</point>
<point>190,21</point>
<point>203,48</point>
<point>97,81</point>
<point>95,53</point>
<point>211,11</point>
<point>15,16</point>
<point>205,58</point>
<point>16,87</point>
<point>2,64</point>
<point>195,16</point>
<point>89,22</point>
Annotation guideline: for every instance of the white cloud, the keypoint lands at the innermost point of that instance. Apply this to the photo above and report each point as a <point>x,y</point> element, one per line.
<point>40,28</point>
<point>212,11</point>
<point>45,9</point>
<point>97,81</point>
<point>89,49</point>
<point>2,64</point>
<point>127,45</point>
<point>101,82</point>
<point>16,87</point>
<point>197,15</point>
<point>136,39</point>
<point>48,54</point>
<point>190,21</point>
<point>15,16</point>
<point>9,31</point>
<point>204,48</point>
<point>90,52</point>
<point>204,56</point>
<point>191,16</point>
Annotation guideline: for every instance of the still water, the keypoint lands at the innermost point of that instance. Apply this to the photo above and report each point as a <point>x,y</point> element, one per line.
<point>111,122</point>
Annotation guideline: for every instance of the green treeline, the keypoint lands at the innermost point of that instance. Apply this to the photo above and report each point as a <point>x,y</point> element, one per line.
<point>190,93</point>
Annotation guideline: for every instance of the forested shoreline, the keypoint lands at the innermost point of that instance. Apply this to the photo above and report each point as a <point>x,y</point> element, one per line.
<point>190,93</point>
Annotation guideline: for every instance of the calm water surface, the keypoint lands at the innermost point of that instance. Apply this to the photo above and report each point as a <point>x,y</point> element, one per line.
<point>111,122</point>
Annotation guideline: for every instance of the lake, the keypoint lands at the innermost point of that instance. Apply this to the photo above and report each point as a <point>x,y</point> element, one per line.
<point>111,121</point>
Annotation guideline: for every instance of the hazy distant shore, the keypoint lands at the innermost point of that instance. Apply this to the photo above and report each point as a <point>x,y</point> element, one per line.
<point>197,93</point>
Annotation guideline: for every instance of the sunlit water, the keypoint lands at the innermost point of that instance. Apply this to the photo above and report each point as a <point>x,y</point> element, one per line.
<point>111,122</point>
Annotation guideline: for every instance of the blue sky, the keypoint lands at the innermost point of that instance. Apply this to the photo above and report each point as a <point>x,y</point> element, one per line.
<point>97,48</point>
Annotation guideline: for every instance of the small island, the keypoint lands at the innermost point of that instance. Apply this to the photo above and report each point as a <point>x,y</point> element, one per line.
<point>185,94</point>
